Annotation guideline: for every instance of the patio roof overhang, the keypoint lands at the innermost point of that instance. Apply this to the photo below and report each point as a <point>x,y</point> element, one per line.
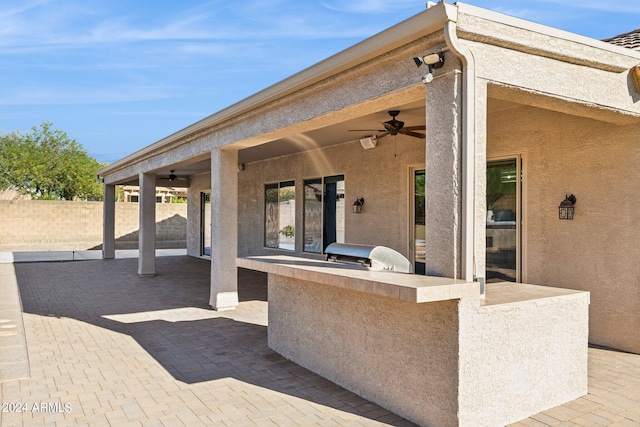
<point>409,30</point>
<point>472,24</point>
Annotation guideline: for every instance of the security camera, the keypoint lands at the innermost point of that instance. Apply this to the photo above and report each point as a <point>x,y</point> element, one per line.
<point>427,78</point>
<point>434,60</point>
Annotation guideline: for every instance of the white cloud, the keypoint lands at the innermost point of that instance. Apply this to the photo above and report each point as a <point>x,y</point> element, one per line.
<point>528,8</point>
<point>33,95</point>
<point>372,6</point>
<point>632,6</point>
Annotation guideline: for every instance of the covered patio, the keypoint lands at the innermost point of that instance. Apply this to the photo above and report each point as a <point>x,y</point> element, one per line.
<point>505,120</point>
<point>127,350</point>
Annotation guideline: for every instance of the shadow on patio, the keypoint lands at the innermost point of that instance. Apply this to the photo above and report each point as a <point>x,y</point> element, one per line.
<point>169,316</point>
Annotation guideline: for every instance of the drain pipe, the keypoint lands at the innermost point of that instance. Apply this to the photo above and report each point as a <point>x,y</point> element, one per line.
<point>468,151</point>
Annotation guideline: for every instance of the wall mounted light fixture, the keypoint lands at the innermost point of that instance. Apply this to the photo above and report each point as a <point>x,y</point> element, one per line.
<point>635,75</point>
<point>566,209</point>
<point>433,61</point>
<point>357,205</point>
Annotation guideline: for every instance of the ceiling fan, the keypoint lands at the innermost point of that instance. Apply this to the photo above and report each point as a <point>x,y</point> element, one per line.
<point>394,127</point>
<point>173,177</point>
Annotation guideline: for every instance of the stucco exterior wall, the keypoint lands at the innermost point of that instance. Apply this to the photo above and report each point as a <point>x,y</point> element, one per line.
<point>381,176</point>
<point>459,362</point>
<point>598,250</point>
<point>406,357</point>
<point>521,358</point>
<point>44,225</point>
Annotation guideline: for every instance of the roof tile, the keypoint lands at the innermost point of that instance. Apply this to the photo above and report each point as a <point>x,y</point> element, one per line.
<point>630,40</point>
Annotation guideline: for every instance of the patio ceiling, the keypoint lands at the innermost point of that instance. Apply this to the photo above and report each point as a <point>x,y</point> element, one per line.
<point>413,114</point>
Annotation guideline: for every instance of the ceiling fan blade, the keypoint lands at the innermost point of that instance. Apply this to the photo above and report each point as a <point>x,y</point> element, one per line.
<point>423,127</point>
<point>413,134</point>
<point>389,127</point>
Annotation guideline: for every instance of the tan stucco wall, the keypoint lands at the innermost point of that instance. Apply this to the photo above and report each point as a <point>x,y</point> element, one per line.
<point>445,363</point>
<point>66,225</point>
<point>597,251</point>
<point>381,176</point>
<point>521,358</point>
<point>406,359</point>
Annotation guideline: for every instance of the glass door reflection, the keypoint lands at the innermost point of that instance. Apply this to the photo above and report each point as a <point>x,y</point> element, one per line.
<point>503,213</point>
<point>419,242</point>
<point>205,224</point>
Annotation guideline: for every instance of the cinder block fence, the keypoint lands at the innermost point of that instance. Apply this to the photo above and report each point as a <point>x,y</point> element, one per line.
<point>64,225</point>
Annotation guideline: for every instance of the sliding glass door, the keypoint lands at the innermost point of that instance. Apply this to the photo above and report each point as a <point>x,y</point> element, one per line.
<point>503,256</point>
<point>419,242</point>
<point>205,224</point>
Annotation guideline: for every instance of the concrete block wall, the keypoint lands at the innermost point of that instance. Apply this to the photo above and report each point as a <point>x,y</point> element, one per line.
<point>69,225</point>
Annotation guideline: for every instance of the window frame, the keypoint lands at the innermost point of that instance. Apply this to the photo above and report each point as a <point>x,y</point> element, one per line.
<point>278,185</point>
<point>323,181</point>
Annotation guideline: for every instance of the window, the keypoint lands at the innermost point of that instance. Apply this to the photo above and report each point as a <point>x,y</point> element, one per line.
<point>280,215</point>
<point>205,223</point>
<point>313,215</point>
<point>324,210</point>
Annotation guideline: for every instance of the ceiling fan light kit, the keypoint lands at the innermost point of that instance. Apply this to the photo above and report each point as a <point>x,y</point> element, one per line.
<point>173,177</point>
<point>369,142</point>
<point>391,127</point>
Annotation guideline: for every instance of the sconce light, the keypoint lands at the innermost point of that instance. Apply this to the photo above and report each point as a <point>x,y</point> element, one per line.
<point>635,75</point>
<point>566,208</point>
<point>433,61</point>
<point>369,142</point>
<point>357,205</point>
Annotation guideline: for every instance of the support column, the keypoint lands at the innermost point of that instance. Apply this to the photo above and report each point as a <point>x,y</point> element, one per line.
<point>443,175</point>
<point>147,231</point>
<point>109,222</point>
<point>224,229</point>
<point>480,181</point>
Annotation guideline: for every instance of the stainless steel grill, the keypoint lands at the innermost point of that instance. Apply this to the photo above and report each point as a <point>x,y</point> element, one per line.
<point>374,257</point>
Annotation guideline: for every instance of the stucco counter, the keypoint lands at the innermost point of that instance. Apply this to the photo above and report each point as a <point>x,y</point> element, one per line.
<point>429,348</point>
<point>405,287</point>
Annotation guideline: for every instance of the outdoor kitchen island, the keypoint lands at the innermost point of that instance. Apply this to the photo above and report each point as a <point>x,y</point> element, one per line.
<point>430,349</point>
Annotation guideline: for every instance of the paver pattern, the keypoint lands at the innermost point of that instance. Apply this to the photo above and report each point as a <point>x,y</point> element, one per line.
<point>613,399</point>
<point>110,348</point>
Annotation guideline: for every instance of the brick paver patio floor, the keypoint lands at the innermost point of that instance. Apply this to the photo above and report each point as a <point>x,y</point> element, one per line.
<point>107,347</point>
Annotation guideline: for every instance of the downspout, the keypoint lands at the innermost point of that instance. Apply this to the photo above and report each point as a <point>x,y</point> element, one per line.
<point>468,151</point>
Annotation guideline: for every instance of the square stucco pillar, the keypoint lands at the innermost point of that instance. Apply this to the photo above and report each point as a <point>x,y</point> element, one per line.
<point>109,222</point>
<point>480,180</point>
<point>443,173</point>
<point>147,231</point>
<point>224,229</point>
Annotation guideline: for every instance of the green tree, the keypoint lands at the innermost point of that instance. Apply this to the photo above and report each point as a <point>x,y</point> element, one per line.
<point>46,164</point>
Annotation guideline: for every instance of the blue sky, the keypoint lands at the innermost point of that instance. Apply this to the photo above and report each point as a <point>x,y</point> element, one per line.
<point>118,75</point>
